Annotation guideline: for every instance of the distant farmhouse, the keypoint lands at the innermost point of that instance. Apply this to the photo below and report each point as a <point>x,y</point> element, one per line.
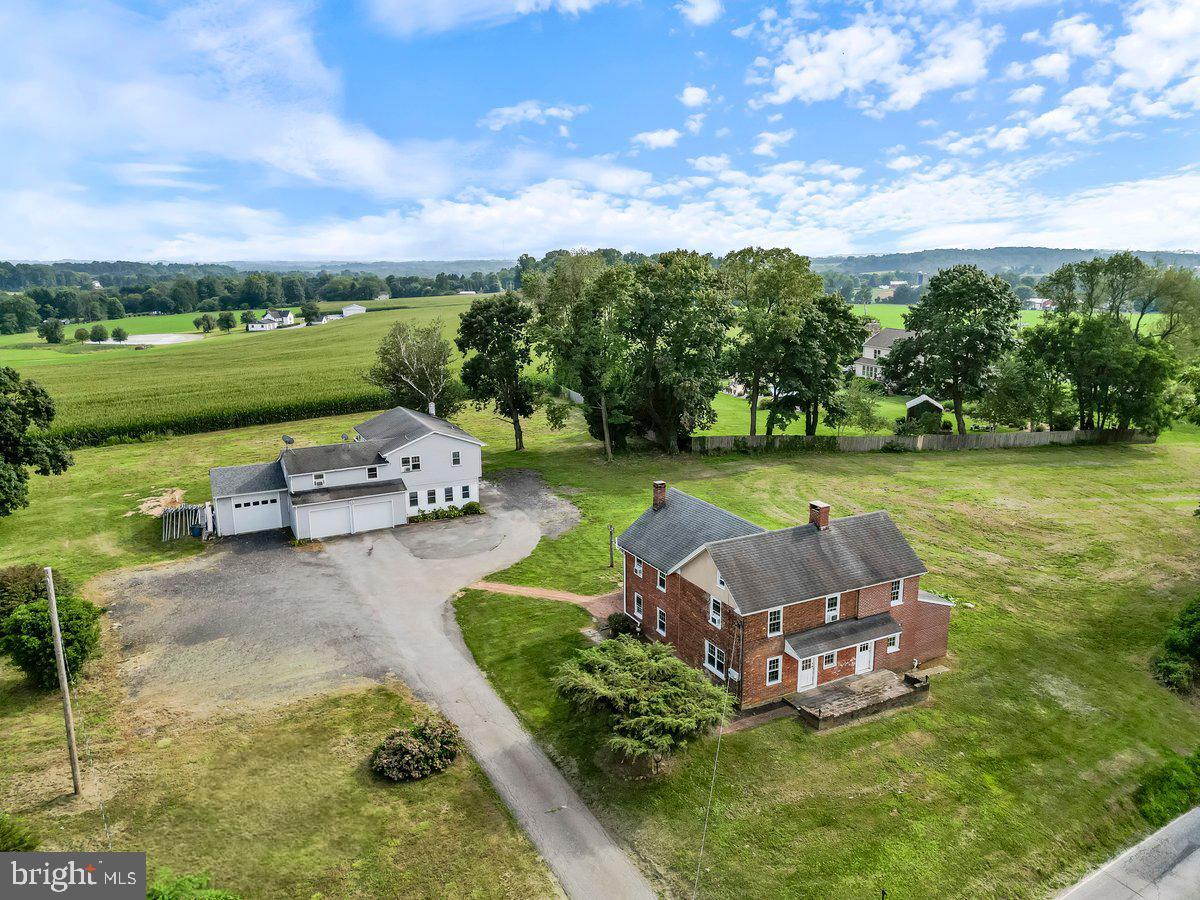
<point>400,463</point>
<point>272,319</point>
<point>771,614</point>
<point>875,348</point>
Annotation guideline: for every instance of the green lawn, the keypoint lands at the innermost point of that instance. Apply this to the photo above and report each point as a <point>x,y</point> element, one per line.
<point>279,804</point>
<point>1013,781</point>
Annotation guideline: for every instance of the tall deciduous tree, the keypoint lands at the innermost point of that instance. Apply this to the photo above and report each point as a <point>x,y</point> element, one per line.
<point>413,366</point>
<point>769,289</point>
<point>26,410</point>
<point>496,332</point>
<point>678,326</point>
<point>962,327</point>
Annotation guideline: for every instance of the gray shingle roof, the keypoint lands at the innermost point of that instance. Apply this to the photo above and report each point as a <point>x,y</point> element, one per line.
<point>666,537</point>
<point>348,491</point>
<point>328,457</point>
<point>226,481</point>
<point>887,337</point>
<point>401,426</point>
<point>839,635</point>
<point>777,567</point>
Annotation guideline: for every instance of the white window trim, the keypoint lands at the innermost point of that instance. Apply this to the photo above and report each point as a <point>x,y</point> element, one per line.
<point>637,567</point>
<point>318,479</point>
<point>456,457</point>
<point>661,581</point>
<point>825,664</point>
<point>714,612</point>
<point>888,646</point>
<point>709,645</point>
<point>778,660</point>
<point>771,633</point>
<point>638,605</point>
<point>836,611</point>
<point>721,581</point>
<point>899,600</point>
<point>660,621</point>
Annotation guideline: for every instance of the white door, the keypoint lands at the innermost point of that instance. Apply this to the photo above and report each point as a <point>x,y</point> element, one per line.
<point>373,515</point>
<point>864,660</point>
<point>328,520</point>
<point>808,674</point>
<point>257,514</point>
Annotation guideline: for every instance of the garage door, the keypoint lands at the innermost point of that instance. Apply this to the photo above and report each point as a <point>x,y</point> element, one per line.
<point>256,514</point>
<point>369,516</point>
<point>329,520</point>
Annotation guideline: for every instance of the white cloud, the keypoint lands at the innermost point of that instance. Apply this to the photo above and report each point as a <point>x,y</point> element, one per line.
<point>695,123</point>
<point>656,140</point>
<point>769,142</point>
<point>408,18</point>
<point>710,163</point>
<point>700,12</point>
<point>528,111</point>
<point>164,175</point>
<point>1077,35</point>
<point>904,163</point>
<point>882,68</point>
<point>1162,43</point>
<point>693,96</point>
<point>1029,94</point>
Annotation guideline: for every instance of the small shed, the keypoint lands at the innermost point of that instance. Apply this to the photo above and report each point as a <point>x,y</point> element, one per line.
<point>919,406</point>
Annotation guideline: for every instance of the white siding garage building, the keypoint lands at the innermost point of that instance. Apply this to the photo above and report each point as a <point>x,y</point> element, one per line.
<point>400,463</point>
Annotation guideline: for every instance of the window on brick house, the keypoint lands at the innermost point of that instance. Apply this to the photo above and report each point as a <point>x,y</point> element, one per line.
<point>637,567</point>
<point>774,670</point>
<point>829,660</point>
<point>661,622</point>
<point>714,612</point>
<point>714,659</point>
<point>831,608</point>
<point>897,592</point>
<point>893,643</point>
<point>662,582</point>
<point>637,605</point>
<point>775,623</point>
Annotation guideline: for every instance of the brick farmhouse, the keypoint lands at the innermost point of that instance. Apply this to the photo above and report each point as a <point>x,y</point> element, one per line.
<point>772,613</point>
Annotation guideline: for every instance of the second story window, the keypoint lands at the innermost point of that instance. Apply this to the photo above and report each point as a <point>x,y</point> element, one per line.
<point>662,582</point>
<point>720,581</point>
<point>714,612</point>
<point>410,464</point>
<point>318,479</point>
<point>637,567</point>
<point>455,458</point>
<point>831,609</point>
<point>897,593</point>
<point>372,472</point>
<point>775,623</point>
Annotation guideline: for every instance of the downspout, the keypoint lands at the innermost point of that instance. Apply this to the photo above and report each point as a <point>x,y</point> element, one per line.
<point>741,639</point>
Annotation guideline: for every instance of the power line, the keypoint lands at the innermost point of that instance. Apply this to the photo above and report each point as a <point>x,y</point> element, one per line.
<point>711,788</point>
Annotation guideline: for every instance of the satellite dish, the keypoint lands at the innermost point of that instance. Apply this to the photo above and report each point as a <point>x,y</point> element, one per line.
<point>287,439</point>
<point>345,437</point>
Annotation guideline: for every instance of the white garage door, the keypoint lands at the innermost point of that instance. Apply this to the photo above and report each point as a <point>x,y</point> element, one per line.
<point>369,516</point>
<point>256,514</point>
<point>329,520</point>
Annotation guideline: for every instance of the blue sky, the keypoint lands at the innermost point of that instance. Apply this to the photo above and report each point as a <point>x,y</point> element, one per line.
<point>410,129</point>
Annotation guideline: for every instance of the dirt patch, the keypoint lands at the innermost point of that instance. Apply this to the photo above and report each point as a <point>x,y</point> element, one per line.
<point>524,488</point>
<point>155,506</point>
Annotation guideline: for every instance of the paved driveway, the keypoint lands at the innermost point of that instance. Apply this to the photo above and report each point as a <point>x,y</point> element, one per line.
<point>1165,866</point>
<point>259,620</point>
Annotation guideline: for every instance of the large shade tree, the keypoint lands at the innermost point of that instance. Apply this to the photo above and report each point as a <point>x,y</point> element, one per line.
<point>962,327</point>
<point>413,364</point>
<point>495,331</point>
<point>26,411</point>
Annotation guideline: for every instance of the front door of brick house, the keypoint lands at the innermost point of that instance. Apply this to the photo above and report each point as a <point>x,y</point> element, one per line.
<point>808,674</point>
<point>864,659</point>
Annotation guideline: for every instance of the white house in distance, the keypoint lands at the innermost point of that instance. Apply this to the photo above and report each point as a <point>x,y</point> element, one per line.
<point>875,348</point>
<point>272,319</point>
<point>400,463</point>
<point>353,309</point>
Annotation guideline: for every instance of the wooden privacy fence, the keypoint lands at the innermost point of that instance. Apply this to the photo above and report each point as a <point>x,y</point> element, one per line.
<point>986,440</point>
<point>178,522</point>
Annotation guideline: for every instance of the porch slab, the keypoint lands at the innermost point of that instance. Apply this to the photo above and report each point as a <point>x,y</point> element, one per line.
<point>857,697</point>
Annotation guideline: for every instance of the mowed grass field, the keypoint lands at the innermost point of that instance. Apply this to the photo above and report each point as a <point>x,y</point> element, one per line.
<point>1012,781</point>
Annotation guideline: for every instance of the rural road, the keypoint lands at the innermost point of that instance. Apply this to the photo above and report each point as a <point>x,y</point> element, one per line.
<point>1165,866</point>
<point>356,609</point>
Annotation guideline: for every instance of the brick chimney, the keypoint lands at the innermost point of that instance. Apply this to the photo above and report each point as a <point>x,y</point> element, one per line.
<point>660,494</point>
<point>818,514</point>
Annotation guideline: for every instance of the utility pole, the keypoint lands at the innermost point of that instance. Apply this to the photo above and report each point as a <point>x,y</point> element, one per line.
<point>611,542</point>
<point>68,717</point>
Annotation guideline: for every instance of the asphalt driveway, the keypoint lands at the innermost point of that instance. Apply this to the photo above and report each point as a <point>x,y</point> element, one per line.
<point>258,621</point>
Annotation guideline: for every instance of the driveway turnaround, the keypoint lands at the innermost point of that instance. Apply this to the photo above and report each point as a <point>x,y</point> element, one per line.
<point>1165,866</point>
<point>260,620</point>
